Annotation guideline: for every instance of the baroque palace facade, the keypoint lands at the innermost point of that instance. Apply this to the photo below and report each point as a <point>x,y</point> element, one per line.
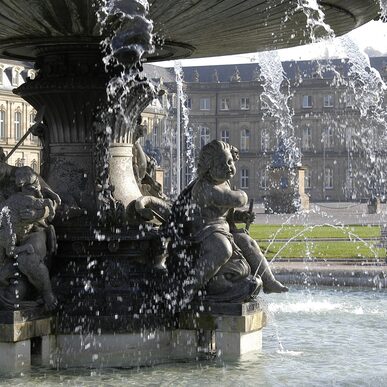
<point>16,116</point>
<point>224,103</point>
<point>335,141</point>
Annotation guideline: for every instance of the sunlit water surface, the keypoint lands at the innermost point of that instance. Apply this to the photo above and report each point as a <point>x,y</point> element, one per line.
<point>314,337</point>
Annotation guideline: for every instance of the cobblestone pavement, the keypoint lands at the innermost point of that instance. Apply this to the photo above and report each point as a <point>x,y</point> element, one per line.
<point>325,213</point>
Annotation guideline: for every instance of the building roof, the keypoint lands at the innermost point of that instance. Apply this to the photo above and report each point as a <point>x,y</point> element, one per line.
<point>292,69</point>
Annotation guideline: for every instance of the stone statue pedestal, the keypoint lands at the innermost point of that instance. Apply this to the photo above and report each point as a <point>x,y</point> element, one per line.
<point>287,191</point>
<point>228,329</point>
<point>233,329</point>
<point>23,338</point>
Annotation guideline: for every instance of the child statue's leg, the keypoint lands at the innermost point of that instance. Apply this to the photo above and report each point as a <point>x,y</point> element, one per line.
<point>215,251</point>
<point>258,263</point>
<point>30,259</point>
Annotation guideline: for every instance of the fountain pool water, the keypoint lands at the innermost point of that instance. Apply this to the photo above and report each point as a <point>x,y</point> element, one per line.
<point>330,336</point>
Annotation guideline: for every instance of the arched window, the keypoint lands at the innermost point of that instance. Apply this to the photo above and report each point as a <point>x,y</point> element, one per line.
<point>245,140</point>
<point>244,178</point>
<point>328,178</point>
<point>18,125</point>
<point>34,165</point>
<point>2,124</point>
<point>225,136</point>
<point>204,136</point>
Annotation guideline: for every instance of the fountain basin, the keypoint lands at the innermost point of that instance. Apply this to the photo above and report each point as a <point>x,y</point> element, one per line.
<point>183,26</point>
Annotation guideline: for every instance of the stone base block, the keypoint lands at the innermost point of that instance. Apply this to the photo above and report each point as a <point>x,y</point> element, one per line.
<point>22,325</point>
<point>232,344</point>
<point>15,357</point>
<point>123,350</point>
<point>237,328</point>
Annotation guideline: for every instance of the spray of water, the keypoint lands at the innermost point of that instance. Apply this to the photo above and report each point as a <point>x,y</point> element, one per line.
<point>275,98</point>
<point>128,38</point>
<point>367,88</point>
<point>315,20</point>
<point>383,10</point>
<point>189,150</point>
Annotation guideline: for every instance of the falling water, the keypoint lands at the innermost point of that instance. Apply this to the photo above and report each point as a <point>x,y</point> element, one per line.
<point>383,10</point>
<point>367,88</point>
<point>189,142</point>
<point>128,37</point>
<point>276,101</point>
<point>315,21</point>
<point>168,141</point>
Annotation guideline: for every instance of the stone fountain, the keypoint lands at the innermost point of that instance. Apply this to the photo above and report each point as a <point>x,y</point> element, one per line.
<point>108,270</point>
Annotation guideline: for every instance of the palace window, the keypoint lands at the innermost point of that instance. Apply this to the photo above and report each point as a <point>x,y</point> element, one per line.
<point>244,178</point>
<point>2,124</point>
<point>245,103</point>
<point>205,104</point>
<point>225,136</point>
<point>328,100</point>
<point>306,137</point>
<point>264,181</point>
<point>265,140</point>
<point>245,140</point>
<point>225,104</point>
<point>307,178</point>
<point>31,121</point>
<point>17,125</point>
<point>328,178</point>
<point>328,134</point>
<point>174,101</point>
<point>1,75</point>
<point>349,101</point>
<point>307,101</point>
<point>188,103</point>
<point>204,136</point>
<point>155,135</point>
<point>34,165</point>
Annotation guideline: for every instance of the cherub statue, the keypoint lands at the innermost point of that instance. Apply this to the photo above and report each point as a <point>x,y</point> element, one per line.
<point>144,166</point>
<point>229,263</point>
<point>26,238</point>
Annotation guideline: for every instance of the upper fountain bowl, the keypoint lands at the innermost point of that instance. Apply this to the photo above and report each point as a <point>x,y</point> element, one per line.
<point>187,28</point>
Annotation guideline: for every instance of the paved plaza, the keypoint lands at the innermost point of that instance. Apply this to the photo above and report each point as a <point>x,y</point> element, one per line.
<point>344,213</point>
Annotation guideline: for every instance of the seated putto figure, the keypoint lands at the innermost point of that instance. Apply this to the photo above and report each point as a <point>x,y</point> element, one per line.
<point>26,239</point>
<point>228,265</point>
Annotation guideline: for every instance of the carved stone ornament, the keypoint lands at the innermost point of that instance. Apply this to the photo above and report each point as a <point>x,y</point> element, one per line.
<point>209,256</point>
<point>27,240</point>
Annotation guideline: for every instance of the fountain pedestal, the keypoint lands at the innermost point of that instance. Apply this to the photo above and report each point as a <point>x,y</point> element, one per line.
<point>20,331</point>
<point>287,191</point>
<point>234,328</point>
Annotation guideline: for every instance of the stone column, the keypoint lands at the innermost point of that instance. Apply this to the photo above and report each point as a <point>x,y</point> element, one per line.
<point>71,86</point>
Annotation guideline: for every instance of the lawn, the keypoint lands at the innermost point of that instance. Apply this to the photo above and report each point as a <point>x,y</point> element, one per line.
<point>323,250</point>
<point>270,239</point>
<point>258,231</point>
